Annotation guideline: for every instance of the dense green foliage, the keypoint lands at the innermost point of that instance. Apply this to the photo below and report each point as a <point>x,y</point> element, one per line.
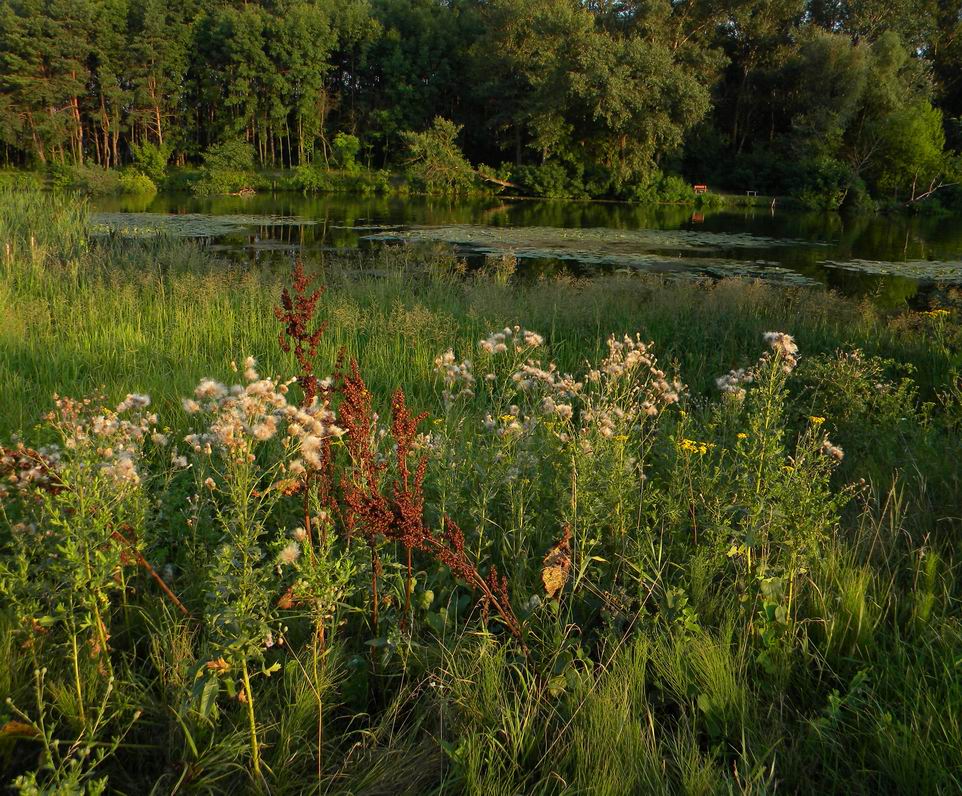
<point>435,161</point>
<point>747,609</point>
<point>228,168</point>
<point>835,103</point>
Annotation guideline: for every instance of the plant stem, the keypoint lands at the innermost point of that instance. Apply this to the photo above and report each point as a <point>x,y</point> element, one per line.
<point>255,753</point>
<point>407,591</point>
<point>102,636</point>
<point>318,655</point>
<point>374,598</point>
<point>307,512</point>
<point>76,677</point>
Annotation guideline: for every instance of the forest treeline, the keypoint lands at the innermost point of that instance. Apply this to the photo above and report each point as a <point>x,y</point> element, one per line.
<point>833,101</point>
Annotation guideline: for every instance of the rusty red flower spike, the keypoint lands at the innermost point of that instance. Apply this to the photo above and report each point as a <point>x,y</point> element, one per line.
<point>449,550</point>
<point>400,517</point>
<point>296,314</point>
<point>368,511</point>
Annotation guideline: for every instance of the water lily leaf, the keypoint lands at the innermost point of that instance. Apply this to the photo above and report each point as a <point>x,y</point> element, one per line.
<point>185,225</point>
<point>946,271</point>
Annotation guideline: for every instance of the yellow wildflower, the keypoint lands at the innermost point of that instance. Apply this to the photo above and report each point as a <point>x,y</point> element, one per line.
<point>742,435</point>
<point>816,420</point>
<point>693,446</point>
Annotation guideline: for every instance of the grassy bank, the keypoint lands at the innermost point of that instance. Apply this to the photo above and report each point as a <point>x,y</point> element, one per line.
<point>702,587</point>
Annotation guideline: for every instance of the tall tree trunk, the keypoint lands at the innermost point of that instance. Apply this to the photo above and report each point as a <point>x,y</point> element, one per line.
<point>322,112</point>
<point>739,100</point>
<point>37,142</point>
<point>103,154</point>
<point>115,136</point>
<point>300,139</point>
<point>56,150</point>
<point>153,93</point>
<point>79,127</point>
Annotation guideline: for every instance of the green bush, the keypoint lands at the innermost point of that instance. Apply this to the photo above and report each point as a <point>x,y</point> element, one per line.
<point>182,179</point>
<point>436,163</point>
<point>151,159</point>
<point>228,168</point>
<point>133,182</point>
<point>658,187</point>
<point>21,180</point>
<point>99,182</point>
<point>61,176</point>
<point>706,200</point>
<point>820,183</point>
<point>313,178</point>
<point>550,181</point>
<point>345,148</point>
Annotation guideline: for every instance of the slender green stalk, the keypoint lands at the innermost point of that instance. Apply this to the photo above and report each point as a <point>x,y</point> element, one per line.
<point>252,724</point>
<point>75,661</point>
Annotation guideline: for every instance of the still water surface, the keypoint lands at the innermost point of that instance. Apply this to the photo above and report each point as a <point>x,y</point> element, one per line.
<point>890,258</point>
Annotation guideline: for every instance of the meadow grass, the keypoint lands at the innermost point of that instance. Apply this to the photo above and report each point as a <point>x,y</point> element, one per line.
<point>711,596</point>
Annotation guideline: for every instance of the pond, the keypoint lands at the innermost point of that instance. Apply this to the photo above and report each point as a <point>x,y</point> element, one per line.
<point>889,258</point>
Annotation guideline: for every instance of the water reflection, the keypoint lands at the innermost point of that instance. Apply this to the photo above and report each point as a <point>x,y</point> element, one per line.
<point>342,221</point>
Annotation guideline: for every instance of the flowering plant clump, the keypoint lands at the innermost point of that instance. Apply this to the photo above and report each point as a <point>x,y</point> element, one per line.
<point>459,381</point>
<point>592,432</point>
<point>253,447</point>
<point>783,350</point>
<point>834,451</point>
<point>76,511</point>
<point>626,384</point>
<point>630,375</point>
<point>693,446</point>
<point>532,377</point>
<point>784,504</point>
<point>733,383</point>
<point>24,470</point>
<point>511,337</point>
<point>244,415</point>
<point>116,436</point>
<point>511,423</point>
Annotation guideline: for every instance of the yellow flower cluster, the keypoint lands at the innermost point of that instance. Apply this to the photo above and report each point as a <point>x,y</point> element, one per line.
<point>693,446</point>
<point>816,420</point>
